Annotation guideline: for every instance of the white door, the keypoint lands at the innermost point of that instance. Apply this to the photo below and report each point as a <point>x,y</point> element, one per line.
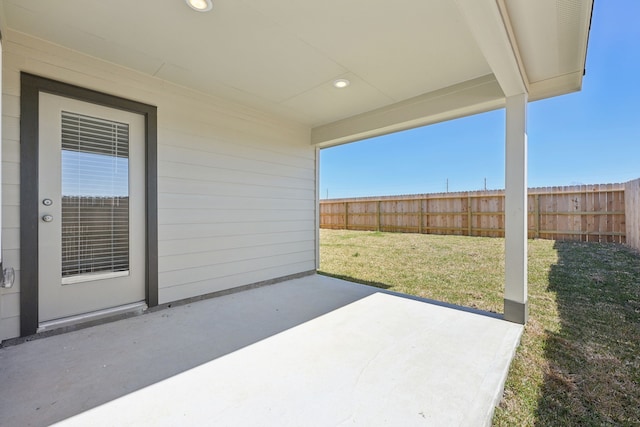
<point>91,233</point>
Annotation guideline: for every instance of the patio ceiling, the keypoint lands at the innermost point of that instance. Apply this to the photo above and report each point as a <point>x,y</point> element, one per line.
<point>281,56</point>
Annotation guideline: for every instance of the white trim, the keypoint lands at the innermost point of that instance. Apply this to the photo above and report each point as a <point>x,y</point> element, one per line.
<point>556,86</point>
<point>464,99</point>
<point>490,28</point>
<point>514,42</point>
<point>89,277</point>
<point>133,308</point>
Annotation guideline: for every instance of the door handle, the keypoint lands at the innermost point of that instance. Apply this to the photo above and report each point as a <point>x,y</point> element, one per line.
<point>47,218</point>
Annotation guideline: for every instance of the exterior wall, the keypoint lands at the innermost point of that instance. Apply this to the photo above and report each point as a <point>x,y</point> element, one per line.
<point>2,305</point>
<point>632,213</point>
<point>236,187</point>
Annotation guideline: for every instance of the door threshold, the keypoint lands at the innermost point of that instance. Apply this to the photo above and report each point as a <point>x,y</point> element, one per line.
<point>93,318</point>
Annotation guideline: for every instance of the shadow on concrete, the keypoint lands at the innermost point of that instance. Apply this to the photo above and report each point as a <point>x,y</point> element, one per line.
<point>54,378</point>
<point>594,359</point>
<point>51,379</point>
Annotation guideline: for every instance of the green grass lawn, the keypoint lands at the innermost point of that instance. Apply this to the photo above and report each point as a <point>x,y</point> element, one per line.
<point>579,360</point>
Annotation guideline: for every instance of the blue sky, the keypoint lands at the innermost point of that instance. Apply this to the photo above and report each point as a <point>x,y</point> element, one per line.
<point>589,137</point>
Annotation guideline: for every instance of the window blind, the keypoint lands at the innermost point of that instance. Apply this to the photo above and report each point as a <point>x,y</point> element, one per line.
<point>95,195</point>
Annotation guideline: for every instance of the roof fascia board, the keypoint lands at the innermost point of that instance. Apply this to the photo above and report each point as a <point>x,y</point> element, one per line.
<point>489,24</point>
<point>464,99</point>
<point>556,86</point>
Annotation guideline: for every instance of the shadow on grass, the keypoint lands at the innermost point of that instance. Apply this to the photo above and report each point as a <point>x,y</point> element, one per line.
<point>593,373</point>
<point>355,280</point>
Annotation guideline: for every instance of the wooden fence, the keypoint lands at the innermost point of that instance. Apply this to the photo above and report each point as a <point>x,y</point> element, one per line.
<point>95,234</point>
<point>584,213</point>
<point>632,217</point>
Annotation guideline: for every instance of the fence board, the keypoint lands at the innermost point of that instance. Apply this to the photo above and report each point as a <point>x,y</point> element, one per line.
<point>583,213</point>
<point>583,218</point>
<point>632,213</point>
<point>562,205</point>
<point>599,202</point>
<point>591,202</point>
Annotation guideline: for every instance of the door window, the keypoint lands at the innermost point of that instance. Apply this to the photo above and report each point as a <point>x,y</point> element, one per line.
<point>95,197</point>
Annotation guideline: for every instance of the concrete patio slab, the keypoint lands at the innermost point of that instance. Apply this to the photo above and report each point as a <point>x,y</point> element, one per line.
<point>314,351</point>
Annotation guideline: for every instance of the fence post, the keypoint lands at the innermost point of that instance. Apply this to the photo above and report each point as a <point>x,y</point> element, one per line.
<point>378,215</point>
<point>346,215</point>
<point>426,209</point>
<point>420,218</point>
<point>536,208</point>
<point>469,215</point>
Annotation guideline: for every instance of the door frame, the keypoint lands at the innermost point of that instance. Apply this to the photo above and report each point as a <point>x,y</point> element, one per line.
<point>31,86</point>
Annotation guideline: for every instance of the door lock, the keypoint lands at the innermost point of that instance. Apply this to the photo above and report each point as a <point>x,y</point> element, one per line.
<point>47,218</point>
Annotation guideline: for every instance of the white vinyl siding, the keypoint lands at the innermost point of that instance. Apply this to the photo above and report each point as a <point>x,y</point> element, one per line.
<point>236,187</point>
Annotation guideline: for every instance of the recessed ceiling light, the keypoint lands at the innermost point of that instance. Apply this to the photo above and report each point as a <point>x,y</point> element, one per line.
<point>341,83</point>
<point>200,5</point>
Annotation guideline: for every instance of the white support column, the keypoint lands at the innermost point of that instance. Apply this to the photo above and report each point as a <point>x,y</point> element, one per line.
<point>1,144</point>
<point>317,216</point>
<point>516,307</point>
